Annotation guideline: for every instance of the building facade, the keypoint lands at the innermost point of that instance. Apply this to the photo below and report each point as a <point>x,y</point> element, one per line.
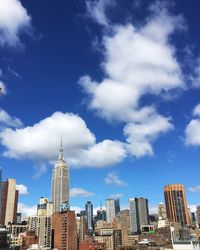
<point>64,234</point>
<point>89,216</point>
<point>41,223</point>
<point>60,183</point>
<point>112,209</point>
<point>176,204</point>
<point>139,214</point>
<point>9,201</point>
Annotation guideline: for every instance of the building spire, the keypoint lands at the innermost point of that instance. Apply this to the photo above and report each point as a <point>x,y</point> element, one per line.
<point>61,155</point>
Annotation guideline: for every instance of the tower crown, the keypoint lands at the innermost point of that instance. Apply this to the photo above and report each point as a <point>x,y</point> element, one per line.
<point>61,155</point>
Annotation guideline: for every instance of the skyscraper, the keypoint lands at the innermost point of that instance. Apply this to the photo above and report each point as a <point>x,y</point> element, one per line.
<point>60,183</point>
<point>112,209</point>
<point>139,214</point>
<point>176,204</point>
<point>89,216</point>
<point>9,200</point>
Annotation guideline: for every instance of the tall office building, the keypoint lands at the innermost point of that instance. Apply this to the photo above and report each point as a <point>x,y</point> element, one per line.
<point>176,204</point>
<point>60,183</point>
<point>9,200</point>
<point>89,216</point>
<point>139,214</point>
<point>112,209</point>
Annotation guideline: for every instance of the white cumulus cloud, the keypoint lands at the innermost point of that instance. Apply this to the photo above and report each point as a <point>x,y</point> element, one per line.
<point>23,190</point>
<point>14,19</point>
<point>137,62</point>
<point>27,210</point>
<point>113,178</point>
<point>8,120</point>
<point>97,10</point>
<point>80,192</point>
<point>41,142</point>
<point>140,135</point>
<point>194,189</point>
<point>116,196</point>
<point>192,130</point>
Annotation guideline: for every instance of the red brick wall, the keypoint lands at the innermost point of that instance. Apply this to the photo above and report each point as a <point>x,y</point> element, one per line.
<point>64,230</point>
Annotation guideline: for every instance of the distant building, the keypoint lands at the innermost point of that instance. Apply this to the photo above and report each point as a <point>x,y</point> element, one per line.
<point>111,236</point>
<point>14,230</point>
<point>3,238</point>
<point>9,201</point>
<point>123,220</point>
<point>89,216</point>
<point>82,228</point>
<point>19,217</point>
<point>198,216</point>
<point>185,241</point>
<point>112,209</point>
<point>41,223</point>
<point>139,214</point>
<point>162,211</point>
<point>176,204</point>
<point>101,215</point>
<point>44,208</point>
<point>64,234</point>
<point>91,244</point>
<point>60,183</point>
<point>27,239</point>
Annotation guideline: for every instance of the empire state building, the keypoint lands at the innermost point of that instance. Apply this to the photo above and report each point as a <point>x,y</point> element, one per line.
<point>60,183</point>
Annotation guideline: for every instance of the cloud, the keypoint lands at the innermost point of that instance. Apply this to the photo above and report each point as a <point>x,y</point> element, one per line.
<point>192,130</point>
<point>113,178</point>
<point>23,190</point>
<point>27,210</point>
<point>196,111</point>
<point>41,142</point>
<point>6,119</point>
<point>153,209</point>
<point>2,87</point>
<point>135,71</point>
<point>14,20</point>
<point>116,196</point>
<point>97,10</point>
<point>194,189</point>
<point>80,192</point>
<point>192,207</point>
<point>140,135</point>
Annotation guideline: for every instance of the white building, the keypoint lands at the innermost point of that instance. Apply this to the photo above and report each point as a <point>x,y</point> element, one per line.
<point>60,183</point>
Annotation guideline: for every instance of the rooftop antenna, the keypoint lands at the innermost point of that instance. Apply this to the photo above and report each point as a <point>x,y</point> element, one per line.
<point>100,197</point>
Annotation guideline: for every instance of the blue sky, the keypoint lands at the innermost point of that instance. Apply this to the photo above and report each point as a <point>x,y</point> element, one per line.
<point>119,82</point>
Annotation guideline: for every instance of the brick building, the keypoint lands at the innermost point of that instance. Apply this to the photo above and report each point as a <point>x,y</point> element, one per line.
<point>91,244</point>
<point>64,235</point>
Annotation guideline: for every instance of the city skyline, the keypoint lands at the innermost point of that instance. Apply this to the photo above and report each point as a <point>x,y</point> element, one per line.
<point>118,82</point>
